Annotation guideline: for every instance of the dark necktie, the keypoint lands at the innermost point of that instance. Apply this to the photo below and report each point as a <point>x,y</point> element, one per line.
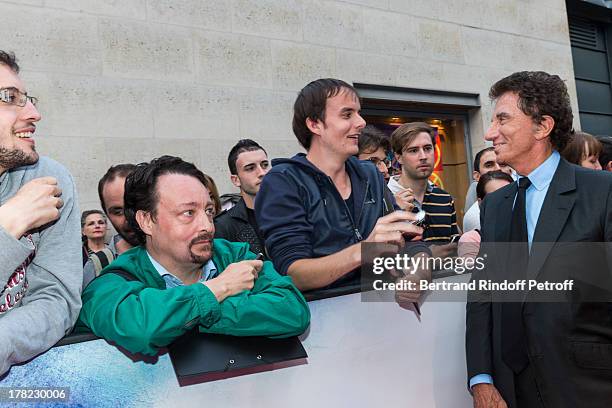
<point>514,344</point>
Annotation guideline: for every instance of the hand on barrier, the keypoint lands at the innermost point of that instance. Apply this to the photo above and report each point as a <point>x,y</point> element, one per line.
<point>487,396</point>
<point>409,298</point>
<point>235,278</point>
<point>36,203</point>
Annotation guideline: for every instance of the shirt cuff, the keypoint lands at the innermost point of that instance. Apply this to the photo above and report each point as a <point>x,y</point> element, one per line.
<point>480,379</point>
<point>210,309</point>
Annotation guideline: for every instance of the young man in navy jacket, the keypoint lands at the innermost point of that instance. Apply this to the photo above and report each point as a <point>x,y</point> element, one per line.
<point>315,209</point>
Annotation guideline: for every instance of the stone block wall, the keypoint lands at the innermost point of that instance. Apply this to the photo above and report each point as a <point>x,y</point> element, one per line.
<point>126,81</point>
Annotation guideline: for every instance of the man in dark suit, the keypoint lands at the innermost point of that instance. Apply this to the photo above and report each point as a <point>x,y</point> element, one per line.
<point>534,352</point>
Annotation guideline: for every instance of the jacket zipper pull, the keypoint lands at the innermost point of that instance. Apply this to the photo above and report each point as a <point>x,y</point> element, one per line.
<point>358,234</point>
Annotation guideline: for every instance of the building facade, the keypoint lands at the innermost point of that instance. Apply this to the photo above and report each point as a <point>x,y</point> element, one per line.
<point>128,81</point>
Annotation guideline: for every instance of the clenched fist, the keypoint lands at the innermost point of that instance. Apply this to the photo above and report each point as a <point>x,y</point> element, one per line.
<point>35,204</point>
<point>235,278</point>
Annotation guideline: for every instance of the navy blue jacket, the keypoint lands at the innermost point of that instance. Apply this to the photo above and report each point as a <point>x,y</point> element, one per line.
<point>302,215</point>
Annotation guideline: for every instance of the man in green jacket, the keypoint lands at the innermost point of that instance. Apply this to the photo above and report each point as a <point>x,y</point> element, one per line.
<point>179,277</point>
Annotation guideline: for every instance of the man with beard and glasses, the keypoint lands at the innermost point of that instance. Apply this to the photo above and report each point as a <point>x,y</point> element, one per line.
<point>110,190</point>
<point>179,277</point>
<point>40,259</point>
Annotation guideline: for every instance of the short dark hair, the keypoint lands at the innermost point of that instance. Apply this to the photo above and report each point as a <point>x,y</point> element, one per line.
<point>141,187</point>
<point>310,104</point>
<point>405,134</point>
<point>372,139</point>
<point>479,156</point>
<point>606,150</point>
<point>540,93</point>
<point>485,178</point>
<point>243,145</point>
<point>578,145</point>
<point>8,59</point>
<point>118,170</point>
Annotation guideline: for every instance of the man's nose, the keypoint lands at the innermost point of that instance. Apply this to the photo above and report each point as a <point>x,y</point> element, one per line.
<point>30,112</point>
<point>360,121</point>
<point>491,133</point>
<point>205,222</point>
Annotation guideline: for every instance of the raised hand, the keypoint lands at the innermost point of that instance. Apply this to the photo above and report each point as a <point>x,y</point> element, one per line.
<point>36,203</point>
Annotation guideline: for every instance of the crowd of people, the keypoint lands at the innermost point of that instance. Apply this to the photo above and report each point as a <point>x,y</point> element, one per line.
<point>179,260</point>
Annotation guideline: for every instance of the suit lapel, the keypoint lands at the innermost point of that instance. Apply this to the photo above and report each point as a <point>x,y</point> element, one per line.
<point>502,228</point>
<point>553,216</point>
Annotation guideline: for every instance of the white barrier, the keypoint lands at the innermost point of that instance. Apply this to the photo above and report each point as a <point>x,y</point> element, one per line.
<point>360,355</point>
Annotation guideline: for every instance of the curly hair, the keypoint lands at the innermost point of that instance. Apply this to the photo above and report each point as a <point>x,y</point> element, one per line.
<point>540,94</point>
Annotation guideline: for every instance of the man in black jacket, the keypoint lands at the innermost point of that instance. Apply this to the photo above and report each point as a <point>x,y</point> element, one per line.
<point>248,164</point>
<point>530,350</point>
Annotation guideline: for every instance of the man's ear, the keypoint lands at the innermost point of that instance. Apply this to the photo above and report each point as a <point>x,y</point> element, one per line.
<point>608,166</point>
<point>476,175</point>
<point>314,126</point>
<point>235,180</point>
<point>145,221</point>
<point>545,127</point>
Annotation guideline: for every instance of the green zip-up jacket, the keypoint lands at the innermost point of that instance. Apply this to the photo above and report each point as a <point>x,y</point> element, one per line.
<point>142,315</point>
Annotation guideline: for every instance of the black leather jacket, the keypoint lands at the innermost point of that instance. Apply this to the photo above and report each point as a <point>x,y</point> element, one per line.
<point>233,225</point>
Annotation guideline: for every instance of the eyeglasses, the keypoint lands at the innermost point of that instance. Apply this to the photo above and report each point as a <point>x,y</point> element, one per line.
<point>14,96</point>
<point>377,161</point>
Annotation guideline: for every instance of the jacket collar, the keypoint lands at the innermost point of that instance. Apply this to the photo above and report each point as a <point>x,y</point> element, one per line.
<point>352,164</point>
<point>239,211</point>
<point>556,208</point>
<point>359,179</point>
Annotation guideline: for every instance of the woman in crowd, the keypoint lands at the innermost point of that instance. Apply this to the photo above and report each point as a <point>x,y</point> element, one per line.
<point>583,149</point>
<point>93,231</point>
<point>469,243</point>
<point>214,193</point>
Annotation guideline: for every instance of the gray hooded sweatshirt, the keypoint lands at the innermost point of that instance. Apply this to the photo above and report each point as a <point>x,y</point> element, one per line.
<point>40,274</point>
